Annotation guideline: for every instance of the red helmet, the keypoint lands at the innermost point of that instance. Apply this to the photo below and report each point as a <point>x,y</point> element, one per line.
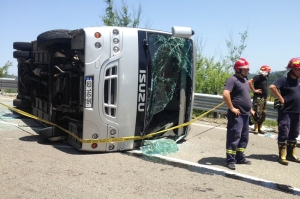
<point>294,63</point>
<point>265,68</point>
<point>241,63</point>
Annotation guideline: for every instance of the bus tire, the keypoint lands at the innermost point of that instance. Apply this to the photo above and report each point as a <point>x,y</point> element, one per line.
<point>54,39</point>
<point>26,46</point>
<point>22,54</point>
<point>22,103</point>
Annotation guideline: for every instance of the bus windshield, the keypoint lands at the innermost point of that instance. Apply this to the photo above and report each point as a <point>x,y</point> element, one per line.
<point>170,59</point>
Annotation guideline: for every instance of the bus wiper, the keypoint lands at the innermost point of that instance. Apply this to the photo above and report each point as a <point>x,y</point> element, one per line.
<point>149,83</point>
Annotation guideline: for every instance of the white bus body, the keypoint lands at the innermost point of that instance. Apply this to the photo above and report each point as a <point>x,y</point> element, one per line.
<point>108,82</point>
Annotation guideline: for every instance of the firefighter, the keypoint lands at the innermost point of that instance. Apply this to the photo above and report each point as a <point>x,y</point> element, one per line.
<point>260,90</point>
<point>288,111</point>
<point>236,95</point>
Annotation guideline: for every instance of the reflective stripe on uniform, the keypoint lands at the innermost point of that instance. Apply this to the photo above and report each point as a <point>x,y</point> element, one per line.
<point>231,152</point>
<point>241,149</point>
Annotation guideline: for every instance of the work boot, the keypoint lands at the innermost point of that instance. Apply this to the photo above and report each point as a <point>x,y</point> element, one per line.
<point>248,162</point>
<point>255,129</point>
<point>291,151</point>
<point>282,153</point>
<point>259,129</point>
<point>231,166</point>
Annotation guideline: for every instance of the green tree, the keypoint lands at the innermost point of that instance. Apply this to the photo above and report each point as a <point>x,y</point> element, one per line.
<point>210,74</point>
<point>235,52</point>
<point>4,69</point>
<point>121,17</point>
<point>274,76</point>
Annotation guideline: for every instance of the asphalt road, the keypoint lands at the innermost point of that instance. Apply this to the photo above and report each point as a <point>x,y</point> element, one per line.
<point>32,168</point>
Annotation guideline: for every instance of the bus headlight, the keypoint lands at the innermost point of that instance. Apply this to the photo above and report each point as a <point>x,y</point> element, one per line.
<point>115,31</point>
<point>115,40</point>
<point>113,131</point>
<point>111,147</point>
<point>97,45</point>
<point>116,49</point>
<point>95,136</point>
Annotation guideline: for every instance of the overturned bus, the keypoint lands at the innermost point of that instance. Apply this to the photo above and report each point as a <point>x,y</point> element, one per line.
<point>100,83</point>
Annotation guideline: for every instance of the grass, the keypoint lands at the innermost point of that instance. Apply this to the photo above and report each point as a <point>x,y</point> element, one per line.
<point>10,90</point>
<point>270,123</point>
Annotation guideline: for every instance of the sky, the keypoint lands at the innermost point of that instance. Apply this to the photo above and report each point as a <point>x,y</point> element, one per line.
<point>273,26</point>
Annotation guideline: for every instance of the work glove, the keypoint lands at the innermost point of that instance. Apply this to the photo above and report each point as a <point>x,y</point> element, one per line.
<point>278,105</point>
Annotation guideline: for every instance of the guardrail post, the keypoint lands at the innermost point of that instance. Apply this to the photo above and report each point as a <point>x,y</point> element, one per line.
<point>216,114</point>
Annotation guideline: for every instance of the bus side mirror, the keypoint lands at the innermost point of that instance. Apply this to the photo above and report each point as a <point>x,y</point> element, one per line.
<point>184,32</point>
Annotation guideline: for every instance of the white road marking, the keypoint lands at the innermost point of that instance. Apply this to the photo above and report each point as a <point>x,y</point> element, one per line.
<point>7,98</point>
<point>225,171</point>
<point>176,160</point>
<point>8,123</point>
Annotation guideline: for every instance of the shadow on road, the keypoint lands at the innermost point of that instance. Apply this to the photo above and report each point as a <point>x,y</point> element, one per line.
<point>61,145</point>
<point>213,161</point>
<point>221,161</point>
<point>266,157</point>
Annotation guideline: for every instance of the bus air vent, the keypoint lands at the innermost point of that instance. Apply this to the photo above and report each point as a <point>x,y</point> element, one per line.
<point>110,91</point>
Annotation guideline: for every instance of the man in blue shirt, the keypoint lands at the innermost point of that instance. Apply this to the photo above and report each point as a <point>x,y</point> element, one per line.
<point>288,111</point>
<point>236,95</point>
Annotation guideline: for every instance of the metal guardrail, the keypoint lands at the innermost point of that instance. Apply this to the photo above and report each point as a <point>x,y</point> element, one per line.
<point>201,101</point>
<point>8,83</point>
<point>207,102</point>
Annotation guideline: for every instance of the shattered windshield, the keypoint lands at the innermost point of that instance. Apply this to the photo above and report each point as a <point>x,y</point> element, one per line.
<point>170,57</point>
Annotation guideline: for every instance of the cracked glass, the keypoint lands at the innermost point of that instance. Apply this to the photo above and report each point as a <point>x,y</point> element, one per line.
<point>170,68</point>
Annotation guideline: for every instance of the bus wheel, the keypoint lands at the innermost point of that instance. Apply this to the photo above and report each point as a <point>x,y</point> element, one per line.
<point>26,46</point>
<point>22,54</point>
<point>21,103</point>
<point>58,39</point>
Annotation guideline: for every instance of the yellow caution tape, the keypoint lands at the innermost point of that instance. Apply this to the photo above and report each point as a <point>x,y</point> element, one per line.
<point>122,139</point>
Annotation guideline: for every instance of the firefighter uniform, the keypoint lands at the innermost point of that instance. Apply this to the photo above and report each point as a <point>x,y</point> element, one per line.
<point>237,137</point>
<point>236,95</point>
<point>288,111</point>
